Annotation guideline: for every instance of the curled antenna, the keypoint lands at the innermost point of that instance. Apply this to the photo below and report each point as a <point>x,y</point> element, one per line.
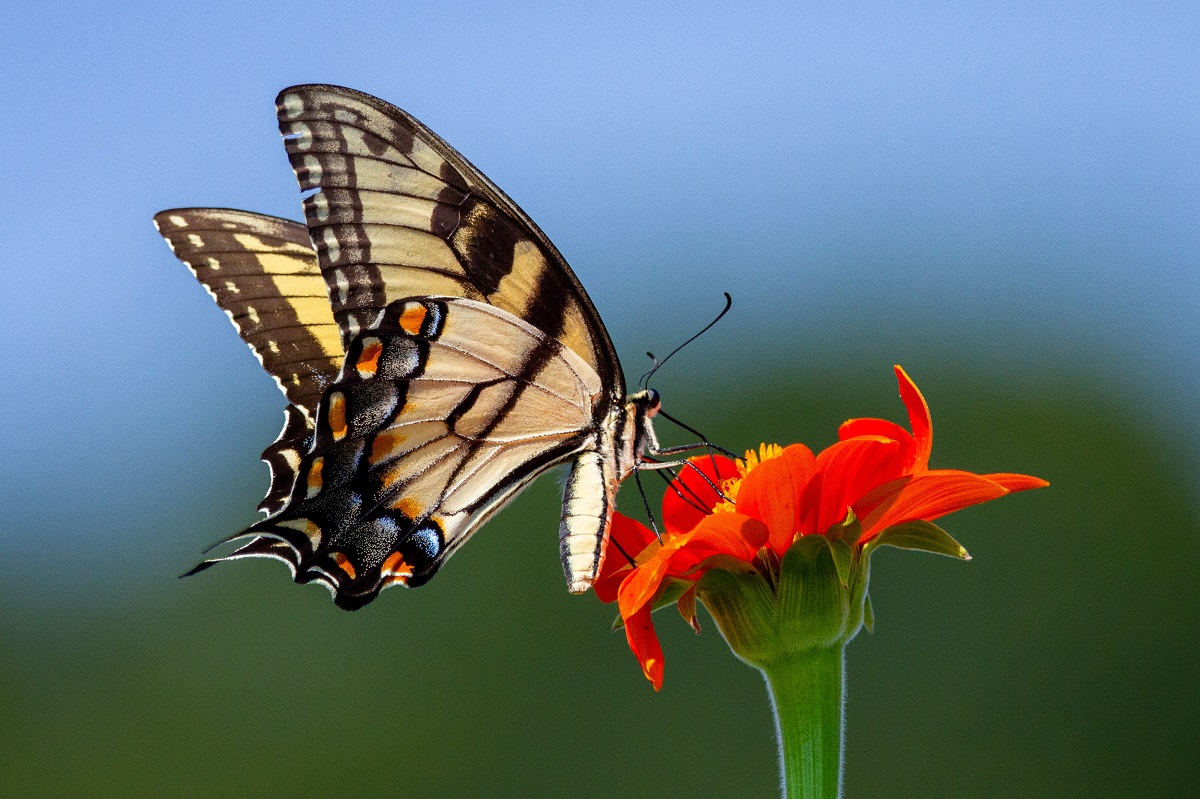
<point>644,382</point>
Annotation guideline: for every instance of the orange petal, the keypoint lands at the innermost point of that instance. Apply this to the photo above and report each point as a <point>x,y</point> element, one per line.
<point>1017,482</point>
<point>719,534</point>
<point>687,608</point>
<point>924,496</point>
<point>766,494</point>
<point>875,427</point>
<point>639,587</point>
<point>691,497</point>
<point>608,582</point>
<point>627,538</point>
<point>772,492</point>
<point>643,642</point>
<point>845,472</point>
<point>918,419</point>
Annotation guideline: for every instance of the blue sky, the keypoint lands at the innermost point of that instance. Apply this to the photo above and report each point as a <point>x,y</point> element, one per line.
<point>1020,181</point>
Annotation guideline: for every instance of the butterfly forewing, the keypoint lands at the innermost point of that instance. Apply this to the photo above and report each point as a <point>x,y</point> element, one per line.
<point>398,213</point>
<point>263,273</point>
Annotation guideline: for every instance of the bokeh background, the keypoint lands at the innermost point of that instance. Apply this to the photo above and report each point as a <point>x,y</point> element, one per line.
<point>1006,200</point>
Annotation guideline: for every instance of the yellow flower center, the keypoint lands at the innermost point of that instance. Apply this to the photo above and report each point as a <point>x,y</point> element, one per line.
<point>729,486</point>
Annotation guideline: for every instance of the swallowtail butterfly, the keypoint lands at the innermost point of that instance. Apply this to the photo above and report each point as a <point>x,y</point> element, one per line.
<point>436,351</point>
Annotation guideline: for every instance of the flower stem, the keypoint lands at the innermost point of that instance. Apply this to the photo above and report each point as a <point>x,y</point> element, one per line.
<point>807,695</point>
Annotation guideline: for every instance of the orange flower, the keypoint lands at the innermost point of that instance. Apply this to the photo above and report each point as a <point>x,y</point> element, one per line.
<point>875,479</point>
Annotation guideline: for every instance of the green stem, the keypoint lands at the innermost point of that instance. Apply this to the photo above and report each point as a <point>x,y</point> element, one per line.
<point>807,695</point>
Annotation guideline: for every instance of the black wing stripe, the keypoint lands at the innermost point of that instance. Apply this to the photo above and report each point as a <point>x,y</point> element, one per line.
<point>356,149</point>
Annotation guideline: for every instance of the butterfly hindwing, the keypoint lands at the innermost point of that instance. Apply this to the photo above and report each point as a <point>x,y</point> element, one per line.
<point>418,442</point>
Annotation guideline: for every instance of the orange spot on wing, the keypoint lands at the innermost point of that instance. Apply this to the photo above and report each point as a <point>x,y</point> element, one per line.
<point>395,570</point>
<point>337,415</point>
<point>314,477</point>
<point>385,443</point>
<point>368,361</point>
<point>344,564</point>
<point>395,474</point>
<point>409,506</point>
<point>412,318</point>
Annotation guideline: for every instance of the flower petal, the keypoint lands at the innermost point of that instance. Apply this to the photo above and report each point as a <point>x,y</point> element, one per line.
<point>687,608</point>
<point>643,642</point>
<point>772,490</point>
<point>1016,482</point>
<point>923,496</point>
<point>845,472</point>
<point>918,419</point>
<point>627,539</point>
<point>639,587</point>
<point>691,496</point>
<point>876,427</point>
<point>732,534</point>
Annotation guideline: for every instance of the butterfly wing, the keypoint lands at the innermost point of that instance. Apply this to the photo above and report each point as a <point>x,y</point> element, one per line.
<point>263,273</point>
<point>444,410</point>
<point>474,358</point>
<point>398,212</point>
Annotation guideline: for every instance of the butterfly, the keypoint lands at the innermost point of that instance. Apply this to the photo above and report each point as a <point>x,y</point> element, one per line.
<point>436,351</point>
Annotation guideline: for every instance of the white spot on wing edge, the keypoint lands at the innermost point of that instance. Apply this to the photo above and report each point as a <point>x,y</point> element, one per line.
<point>312,165</point>
<point>321,206</point>
<point>343,287</point>
<point>303,136</point>
<point>293,105</point>
<point>332,249</point>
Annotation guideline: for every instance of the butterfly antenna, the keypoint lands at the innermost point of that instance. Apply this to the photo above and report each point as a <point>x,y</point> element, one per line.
<point>645,381</point>
<point>711,446</point>
<point>654,364</point>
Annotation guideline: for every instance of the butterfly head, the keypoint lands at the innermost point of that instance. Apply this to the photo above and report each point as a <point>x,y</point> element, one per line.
<point>645,403</point>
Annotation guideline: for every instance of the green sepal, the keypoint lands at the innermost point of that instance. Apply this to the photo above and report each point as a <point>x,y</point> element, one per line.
<point>671,591</point>
<point>816,602</point>
<point>843,559</point>
<point>842,539</point>
<point>743,606</point>
<point>817,606</point>
<point>868,614</point>
<point>848,530</point>
<point>919,535</point>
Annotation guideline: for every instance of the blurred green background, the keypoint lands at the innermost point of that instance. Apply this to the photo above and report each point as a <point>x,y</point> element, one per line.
<point>1061,661</point>
<point>1004,200</point>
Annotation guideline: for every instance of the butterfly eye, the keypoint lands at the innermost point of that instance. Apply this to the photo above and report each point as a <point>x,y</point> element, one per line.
<point>653,402</point>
